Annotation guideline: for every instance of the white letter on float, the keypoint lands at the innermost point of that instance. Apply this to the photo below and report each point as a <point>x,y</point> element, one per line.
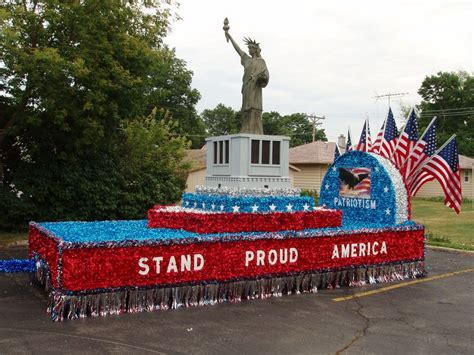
<point>335,252</point>
<point>353,250</point>
<point>283,252</point>
<point>345,250</point>
<point>157,260</point>
<point>375,251</point>
<point>361,249</point>
<point>249,256</point>
<point>172,265</point>
<point>260,257</point>
<point>293,255</point>
<point>142,264</point>
<point>186,262</point>
<point>198,262</point>
<point>383,250</point>
<point>272,257</point>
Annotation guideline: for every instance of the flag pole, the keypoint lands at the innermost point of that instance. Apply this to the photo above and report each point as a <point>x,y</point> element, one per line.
<point>401,133</point>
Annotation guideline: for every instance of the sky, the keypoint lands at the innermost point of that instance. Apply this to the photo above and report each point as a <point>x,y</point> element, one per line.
<point>326,57</point>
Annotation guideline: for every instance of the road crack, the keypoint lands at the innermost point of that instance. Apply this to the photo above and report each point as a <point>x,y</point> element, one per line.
<point>360,334</point>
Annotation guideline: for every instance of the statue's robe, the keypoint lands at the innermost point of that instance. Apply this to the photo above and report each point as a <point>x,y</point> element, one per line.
<point>255,78</point>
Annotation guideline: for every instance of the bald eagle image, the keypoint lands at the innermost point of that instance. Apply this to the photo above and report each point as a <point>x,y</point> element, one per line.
<point>354,182</point>
<point>351,179</point>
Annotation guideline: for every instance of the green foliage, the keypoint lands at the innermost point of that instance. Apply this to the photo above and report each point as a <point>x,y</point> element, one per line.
<point>450,97</point>
<point>312,193</point>
<point>295,125</point>
<point>221,120</point>
<point>145,169</point>
<point>74,77</point>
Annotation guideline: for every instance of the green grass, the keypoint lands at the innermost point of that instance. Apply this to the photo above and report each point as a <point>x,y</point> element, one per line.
<point>7,238</point>
<point>443,226</point>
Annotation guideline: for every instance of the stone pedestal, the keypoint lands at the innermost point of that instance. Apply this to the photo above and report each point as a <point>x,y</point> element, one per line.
<point>248,161</point>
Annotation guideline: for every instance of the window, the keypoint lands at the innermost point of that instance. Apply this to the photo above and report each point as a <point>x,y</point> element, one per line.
<point>226,148</point>
<point>265,152</point>
<point>221,155</point>
<point>255,155</point>
<point>466,176</point>
<point>276,153</point>
<point>215,152</point>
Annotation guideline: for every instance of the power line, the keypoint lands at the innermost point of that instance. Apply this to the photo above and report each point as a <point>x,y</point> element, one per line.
<point>452,109</point>
<point>315,120</point>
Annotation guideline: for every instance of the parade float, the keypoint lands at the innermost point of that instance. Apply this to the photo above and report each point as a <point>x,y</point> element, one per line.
<point>247,233</point>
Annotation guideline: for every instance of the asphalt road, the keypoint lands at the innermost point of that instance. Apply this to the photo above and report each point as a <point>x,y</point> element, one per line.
<point>432,317</point>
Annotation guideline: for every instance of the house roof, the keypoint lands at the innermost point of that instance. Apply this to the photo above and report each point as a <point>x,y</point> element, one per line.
<point>466,162</point>
<point>313,153</point>
<point>197,158</point>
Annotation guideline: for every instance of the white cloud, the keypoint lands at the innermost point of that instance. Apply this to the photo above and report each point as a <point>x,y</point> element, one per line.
<point>329,58</point>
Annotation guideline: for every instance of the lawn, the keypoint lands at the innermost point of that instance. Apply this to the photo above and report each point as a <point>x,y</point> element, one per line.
<point>443,226</point>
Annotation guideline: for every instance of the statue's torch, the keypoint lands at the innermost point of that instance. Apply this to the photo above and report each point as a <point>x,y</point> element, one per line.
<point>226,28</point>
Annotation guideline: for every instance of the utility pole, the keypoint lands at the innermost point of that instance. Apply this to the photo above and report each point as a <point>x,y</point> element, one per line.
<point>389,95</point>
<point>316,121</point>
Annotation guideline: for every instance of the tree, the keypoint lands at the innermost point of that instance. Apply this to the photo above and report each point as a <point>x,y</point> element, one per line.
<point>450,97</point>
<point>295,125</point>
<point>221,120</point>
<point>73,76</point>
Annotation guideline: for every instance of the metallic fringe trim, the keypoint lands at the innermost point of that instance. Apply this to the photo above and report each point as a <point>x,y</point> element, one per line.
<point>63,306</point>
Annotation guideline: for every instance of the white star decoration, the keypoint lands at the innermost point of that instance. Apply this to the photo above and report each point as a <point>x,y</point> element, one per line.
<point>213,206</point>
<point>222,207</point>
<point>254,208</point>
<point>385,189</point>
<point>334,169</point>
<point>187,203</point>
<point>377,169</point>
<point>289,207</point>
<point>306,206</point>
<point>195,204</point>
<point>235,208</point>
<point>272,207</point>
<point>203,205</point>
<point>387,211</point>
<point>326,186</point>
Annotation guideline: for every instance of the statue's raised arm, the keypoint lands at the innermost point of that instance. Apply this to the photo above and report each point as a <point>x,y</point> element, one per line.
<point>255,78</point>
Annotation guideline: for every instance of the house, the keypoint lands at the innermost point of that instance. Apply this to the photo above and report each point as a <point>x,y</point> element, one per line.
<point>309,163</point>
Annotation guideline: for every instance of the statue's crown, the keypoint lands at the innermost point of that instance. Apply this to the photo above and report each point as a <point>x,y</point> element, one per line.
<point>251,42</point>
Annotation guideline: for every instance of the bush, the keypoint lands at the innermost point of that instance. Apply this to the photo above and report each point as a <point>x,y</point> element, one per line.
<point>122,183</point>
<point>312,193</point>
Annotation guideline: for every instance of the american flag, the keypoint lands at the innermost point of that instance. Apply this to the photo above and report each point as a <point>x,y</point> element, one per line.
<point>422,151</point>
<point>421,178</point>
<point>444,167</point>
<point>407,140</point>
<point>349,141</point>
<point>337,152</point>
<point>378,140</point>
<point>390,136</point>
<point>365,142</point>
<point>363,187</point>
